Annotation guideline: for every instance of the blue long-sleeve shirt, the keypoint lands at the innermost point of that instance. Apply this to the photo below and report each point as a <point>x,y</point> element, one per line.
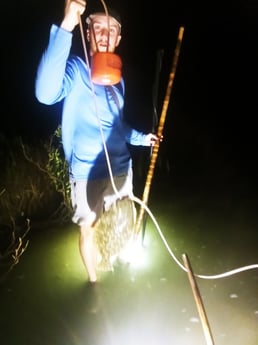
<point>91,113</point>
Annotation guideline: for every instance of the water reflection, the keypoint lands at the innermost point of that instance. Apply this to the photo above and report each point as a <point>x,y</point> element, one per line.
<point>46,300</point>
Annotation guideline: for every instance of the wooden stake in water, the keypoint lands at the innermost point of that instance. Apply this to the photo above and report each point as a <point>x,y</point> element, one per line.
<point>159,131</point>
<point>198,301</point>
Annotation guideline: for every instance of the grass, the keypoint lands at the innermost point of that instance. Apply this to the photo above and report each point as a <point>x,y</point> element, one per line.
<point>34,191</point>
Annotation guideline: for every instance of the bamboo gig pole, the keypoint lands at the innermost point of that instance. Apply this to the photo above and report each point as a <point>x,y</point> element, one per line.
<point>159,131</point>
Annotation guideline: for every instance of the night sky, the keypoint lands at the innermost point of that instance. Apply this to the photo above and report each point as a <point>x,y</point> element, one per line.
<point>213,104</point>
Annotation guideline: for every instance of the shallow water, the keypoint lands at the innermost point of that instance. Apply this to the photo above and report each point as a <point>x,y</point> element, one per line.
<point>45,299</point>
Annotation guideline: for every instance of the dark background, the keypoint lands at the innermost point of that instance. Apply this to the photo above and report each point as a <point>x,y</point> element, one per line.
<point>213,104</point>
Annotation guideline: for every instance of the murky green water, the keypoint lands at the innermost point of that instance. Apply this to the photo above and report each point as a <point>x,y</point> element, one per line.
<point>46,301</point>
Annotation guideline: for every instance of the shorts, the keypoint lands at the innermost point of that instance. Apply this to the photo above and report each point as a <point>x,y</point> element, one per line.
<point>90,198</point>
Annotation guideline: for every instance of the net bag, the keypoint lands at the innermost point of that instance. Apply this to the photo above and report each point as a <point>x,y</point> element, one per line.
<point>114,231</point>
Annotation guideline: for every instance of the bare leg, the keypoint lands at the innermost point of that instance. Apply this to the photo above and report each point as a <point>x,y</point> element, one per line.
<point>88,251</point>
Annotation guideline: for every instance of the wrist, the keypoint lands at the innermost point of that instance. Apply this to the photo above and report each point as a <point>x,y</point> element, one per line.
<point>67,25</point>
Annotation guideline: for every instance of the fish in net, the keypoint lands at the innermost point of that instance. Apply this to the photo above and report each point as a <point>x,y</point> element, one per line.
<point>114,231</point>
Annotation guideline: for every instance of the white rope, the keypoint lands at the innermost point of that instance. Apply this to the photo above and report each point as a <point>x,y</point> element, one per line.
<point>217,276</point>
<point>222,275</point>
<point>96,105</point>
